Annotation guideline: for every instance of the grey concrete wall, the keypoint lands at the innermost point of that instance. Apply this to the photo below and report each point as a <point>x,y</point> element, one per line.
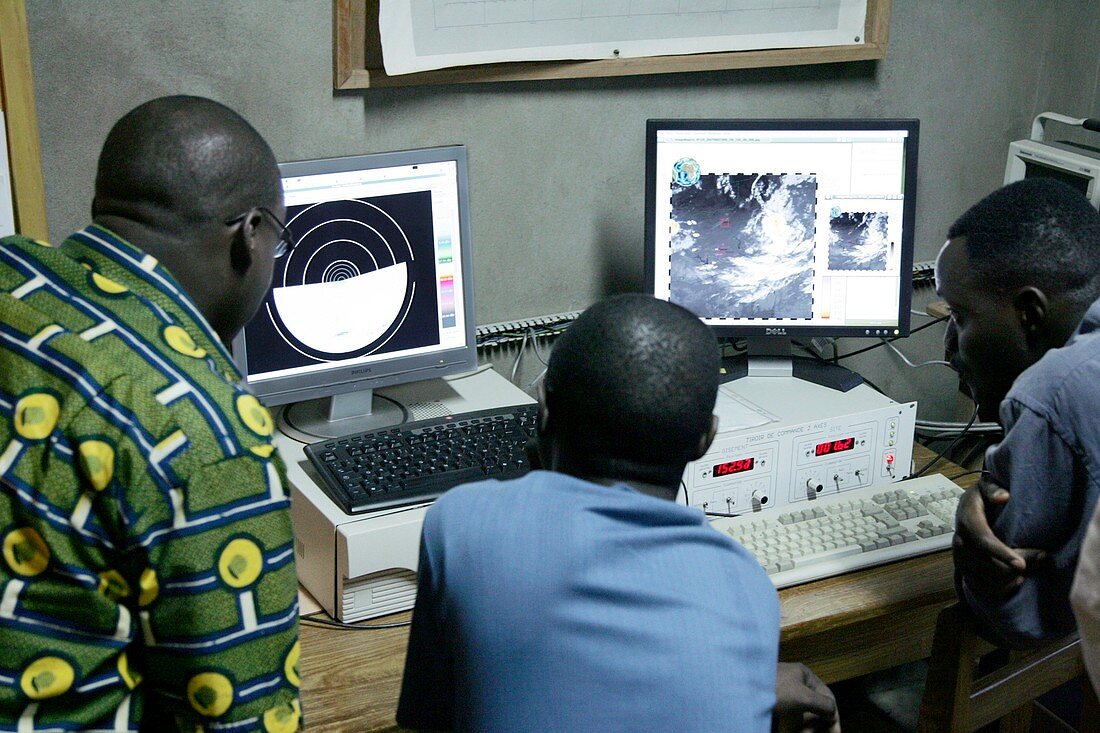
<point>556,169</point>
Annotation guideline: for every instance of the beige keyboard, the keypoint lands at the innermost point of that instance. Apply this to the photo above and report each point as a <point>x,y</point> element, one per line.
<point>851,530</point>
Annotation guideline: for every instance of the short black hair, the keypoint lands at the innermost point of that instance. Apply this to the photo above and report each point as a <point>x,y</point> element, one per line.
<point>1038,231</point>
<point>188,158</point>
<point>634,379</point>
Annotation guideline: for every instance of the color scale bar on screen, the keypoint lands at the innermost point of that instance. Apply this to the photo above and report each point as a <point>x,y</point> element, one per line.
<point>447,301</point>
<point>444,253</point>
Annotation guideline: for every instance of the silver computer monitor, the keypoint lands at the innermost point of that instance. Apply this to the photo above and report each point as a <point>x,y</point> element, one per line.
<point>378,290</point>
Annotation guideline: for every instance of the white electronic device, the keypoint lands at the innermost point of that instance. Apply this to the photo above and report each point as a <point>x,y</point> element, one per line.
<point>788,441</point>
<point>1072,163</point>
<point>360,566</point>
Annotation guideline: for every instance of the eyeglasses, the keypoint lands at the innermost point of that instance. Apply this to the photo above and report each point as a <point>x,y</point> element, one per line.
<point>286,237</point>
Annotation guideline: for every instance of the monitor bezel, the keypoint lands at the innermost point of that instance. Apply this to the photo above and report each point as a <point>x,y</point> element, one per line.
<point>402,369</point>
<point>793,330</point>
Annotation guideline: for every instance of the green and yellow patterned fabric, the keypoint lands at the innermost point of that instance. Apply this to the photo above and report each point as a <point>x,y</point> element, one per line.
<point>147,571</point>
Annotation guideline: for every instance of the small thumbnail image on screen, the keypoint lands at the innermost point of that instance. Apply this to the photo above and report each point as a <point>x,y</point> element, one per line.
<point>742,245</point>
<point>859,240</point>
<point>361,280</point>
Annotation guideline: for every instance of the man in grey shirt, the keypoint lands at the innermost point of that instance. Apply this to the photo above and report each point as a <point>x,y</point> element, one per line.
<point>1021,275</point>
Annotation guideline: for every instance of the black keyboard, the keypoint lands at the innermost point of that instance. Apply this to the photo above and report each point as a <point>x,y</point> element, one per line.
<point>417,461</point>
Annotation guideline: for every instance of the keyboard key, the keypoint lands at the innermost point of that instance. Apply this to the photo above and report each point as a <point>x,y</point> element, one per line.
<point>827,555</point>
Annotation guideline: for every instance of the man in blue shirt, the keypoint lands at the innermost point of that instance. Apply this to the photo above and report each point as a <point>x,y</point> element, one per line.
<point>584,597</point>
<point>1021,275</point>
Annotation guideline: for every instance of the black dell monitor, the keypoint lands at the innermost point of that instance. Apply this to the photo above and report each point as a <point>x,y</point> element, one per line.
<point>777,229</point>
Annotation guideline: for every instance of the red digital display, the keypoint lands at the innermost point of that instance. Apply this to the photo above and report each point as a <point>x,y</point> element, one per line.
<point>731,467</point>
<point>834,446</point>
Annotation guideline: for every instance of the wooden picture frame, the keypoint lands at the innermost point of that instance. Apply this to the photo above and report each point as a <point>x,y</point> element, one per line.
<point>17,101</point>
<point>357,55</point>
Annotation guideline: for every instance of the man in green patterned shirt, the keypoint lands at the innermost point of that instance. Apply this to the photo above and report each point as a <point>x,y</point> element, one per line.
<point>147,579</point>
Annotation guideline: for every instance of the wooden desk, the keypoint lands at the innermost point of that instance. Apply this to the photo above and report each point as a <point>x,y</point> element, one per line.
<point>841,627</point>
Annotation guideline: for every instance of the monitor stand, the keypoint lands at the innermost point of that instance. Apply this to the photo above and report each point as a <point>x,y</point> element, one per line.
<point>345,414</point>
<point>771,357</point>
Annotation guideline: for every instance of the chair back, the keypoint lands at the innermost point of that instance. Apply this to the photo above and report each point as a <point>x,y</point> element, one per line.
<point>959,699</point>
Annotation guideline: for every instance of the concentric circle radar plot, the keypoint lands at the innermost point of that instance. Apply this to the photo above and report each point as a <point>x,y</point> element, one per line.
<point>340,270</point>
<point>346,284</point>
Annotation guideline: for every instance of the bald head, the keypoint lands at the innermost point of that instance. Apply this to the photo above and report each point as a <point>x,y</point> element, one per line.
<point>187,180</point>
<point>633,382</point>
<point>175,162</point>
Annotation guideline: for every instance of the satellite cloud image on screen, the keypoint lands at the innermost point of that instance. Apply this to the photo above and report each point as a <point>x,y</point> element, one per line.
<point>859,240</point>
<point>743,244</point>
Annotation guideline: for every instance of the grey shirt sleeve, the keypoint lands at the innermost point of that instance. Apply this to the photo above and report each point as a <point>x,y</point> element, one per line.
<point>1044,476</point>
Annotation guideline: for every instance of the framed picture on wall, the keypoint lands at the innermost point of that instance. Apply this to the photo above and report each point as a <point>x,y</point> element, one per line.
<point>380,43</point>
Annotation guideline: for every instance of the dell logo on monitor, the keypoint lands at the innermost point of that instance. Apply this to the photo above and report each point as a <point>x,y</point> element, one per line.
<point>775,332</point>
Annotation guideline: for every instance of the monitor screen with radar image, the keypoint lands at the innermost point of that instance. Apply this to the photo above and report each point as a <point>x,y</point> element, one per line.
<point>377,290</point>
<point>772,230</point>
